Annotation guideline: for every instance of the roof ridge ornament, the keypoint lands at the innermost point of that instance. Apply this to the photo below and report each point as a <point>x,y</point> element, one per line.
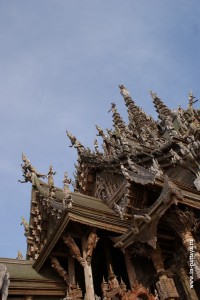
<point>74,142</point>
<point>141,125</point>
<point>51,185</point>
<point>67,200</point>
<point>161,108</point>
<point>118,121</point>
<point>29,172</point>
<point>26,226</point>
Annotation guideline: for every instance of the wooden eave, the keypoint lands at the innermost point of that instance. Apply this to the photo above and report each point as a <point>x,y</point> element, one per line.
<point>191,196</point>
<point>82,214</point>
<point>24,280</point>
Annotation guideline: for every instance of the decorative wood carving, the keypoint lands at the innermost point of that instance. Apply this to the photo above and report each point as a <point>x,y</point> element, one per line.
<point>29,171</point>
<point>112,288</point>
<point>183,222</point>
<point>138,291</point>
<point>74,249</point>
<point>165,285</point>
<point>106,186</point>
<point>26,226</point>
<point>59,269</point>
<point>91,244</point>
<point>4,281</point>
<point>75,292</point>
<point>52,188</point>
<point>144,228</point>
<point>67,200</point>
<point>115,289</point>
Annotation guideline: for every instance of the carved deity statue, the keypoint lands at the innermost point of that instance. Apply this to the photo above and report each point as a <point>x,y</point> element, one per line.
<point>51,173</point>
<point>91,244</point>
<point>156,168</point>
<point>119,210</point>
<point>175,157</point>
<point>137,220</point>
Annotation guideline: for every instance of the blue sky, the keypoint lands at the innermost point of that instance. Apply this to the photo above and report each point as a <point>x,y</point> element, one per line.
<point>60,65</point>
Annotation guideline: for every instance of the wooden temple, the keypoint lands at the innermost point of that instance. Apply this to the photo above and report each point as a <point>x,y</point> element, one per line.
<point>131,228</point>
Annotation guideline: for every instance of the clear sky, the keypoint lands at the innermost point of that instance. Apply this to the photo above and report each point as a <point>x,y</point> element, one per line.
<point>60,65</point>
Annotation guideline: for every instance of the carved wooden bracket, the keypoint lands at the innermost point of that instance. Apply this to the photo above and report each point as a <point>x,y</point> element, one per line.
<point>91,244</point>
<point>74,249</point>
<point>59,269</point>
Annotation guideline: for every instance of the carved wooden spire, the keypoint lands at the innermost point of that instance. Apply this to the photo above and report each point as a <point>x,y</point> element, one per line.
<point>142,126</point>
<point>165,115</point>
<point>162,110</point>
<point>133,110</point>
<point>119,123</point>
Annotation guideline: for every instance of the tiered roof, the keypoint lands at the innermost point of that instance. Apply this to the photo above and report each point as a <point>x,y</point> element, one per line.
<point>164,154</point>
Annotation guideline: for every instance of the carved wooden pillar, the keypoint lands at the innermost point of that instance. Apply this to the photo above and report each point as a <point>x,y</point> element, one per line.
<point>89,286</point>
<point>165,285</point>
<point>183,222</point>
<point>130,269</point>
<point>191,294</point>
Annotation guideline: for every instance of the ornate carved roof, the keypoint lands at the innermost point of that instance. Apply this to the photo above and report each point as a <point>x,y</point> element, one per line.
<point>109,181</point>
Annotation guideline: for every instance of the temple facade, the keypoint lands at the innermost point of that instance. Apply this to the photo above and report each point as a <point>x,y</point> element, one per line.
<point>131,228</point>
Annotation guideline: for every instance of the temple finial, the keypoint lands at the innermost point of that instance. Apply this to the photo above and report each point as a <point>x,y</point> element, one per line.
<point>123,91</point>
<point>142,126</point>
<point>162,110</point>
<point>153,94</point>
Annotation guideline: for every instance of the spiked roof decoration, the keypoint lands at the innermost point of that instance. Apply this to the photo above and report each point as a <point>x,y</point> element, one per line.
<point>164,154</point>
